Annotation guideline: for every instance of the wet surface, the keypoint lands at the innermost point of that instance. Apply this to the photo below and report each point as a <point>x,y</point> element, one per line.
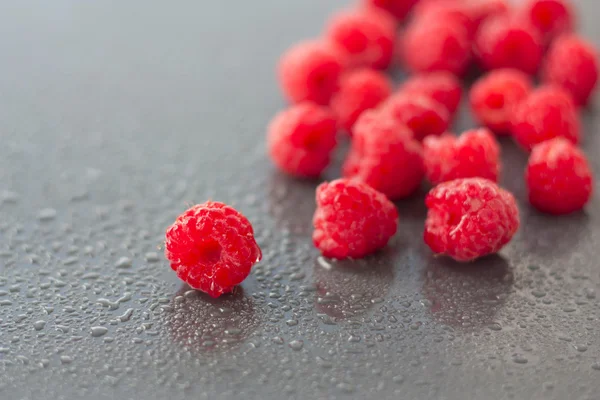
<point>115,116</point>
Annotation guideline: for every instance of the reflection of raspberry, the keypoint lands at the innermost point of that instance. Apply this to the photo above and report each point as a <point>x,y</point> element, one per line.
<point>359,90</point>
<point>495,95</point>
<point>572,63</point>
<point>309,71</point>
<point>475,153</point>
<point>385,156</point>
<point>301,139</point>
<point>470,218</point>
<point>508,42</point>
<point>423,115</point>
<point>548,112</point>
<point>443,87</point>
<point>366,37</point>
<point>352,219</point>
<point>398,8</point>
<point>559,178</point>
<point>211,246</point>
<point>550,17</point>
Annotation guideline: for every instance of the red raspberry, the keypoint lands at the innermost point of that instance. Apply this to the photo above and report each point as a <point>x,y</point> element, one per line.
<point>548,112</point>
<point>352,219</point>
<point>573,64</point>
<point>300,139</point>
<point>385,156</point>
<point>495,96</point>
<point>359,90</point>
<point>550,17</point>
<point>475,153</point>
<point>309,71</point>
<point>423,115</point>
<point>446,10</point>
<point>211,247</point>
<point>365,37</point>
<point>481,10</point>
<point>559,178</point>
<point>398,8</point>
<point>508,42</point>
<point>442,87</point>
<point>470,218</point>
<point>436,44</point>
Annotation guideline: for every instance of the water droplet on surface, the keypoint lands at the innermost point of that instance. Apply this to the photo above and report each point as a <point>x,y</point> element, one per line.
<point>520,359</point>
<point>47,214</point>
<point>98,331</point>
<point>296,345</point>
<point>39,325</point>
<point>124,262</point>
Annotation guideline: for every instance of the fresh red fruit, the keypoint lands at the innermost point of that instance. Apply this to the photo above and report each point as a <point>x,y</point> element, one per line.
<point>456,11</point>
<point>360,90</point>
<point>352,219</point>
<point>509,42</point>
<point>559,178</point>
<point>385,156</point>
<point>398,8</point>
<point>423,115</point>
<point>551,17</point>
<point>366,37</point>
<point>211,247</point>
<point>309,71</point>
<point>481,10</point>
<point>442,87</point>
<point>495,96</point>
<point>470,218</point>
<point>475,153</point>
<point>301,139</point>
<point>547,112</point>
<point>572,63</point>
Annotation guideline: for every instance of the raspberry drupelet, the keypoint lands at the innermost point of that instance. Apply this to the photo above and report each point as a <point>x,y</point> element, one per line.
<point>360,90</point>
<point>469,218</point>
<point>211,247</point>
<point>301,139</point>
<point>572,63</point>
<point>352,220</point>
<point>475,153</point>
<point>365,37</point>
<point>507,41</point>
<point>559,178</point>
<point>385,156</point>
<point>398,8</point>
<point>547,112</point>
<point>551,17</point>
<point>495,96</point>
<point>309,71</point>
<point>442,87</point>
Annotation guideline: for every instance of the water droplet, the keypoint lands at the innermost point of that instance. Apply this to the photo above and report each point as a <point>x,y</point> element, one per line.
<point>520,359</point>
<point>296,345</point>
<point>152,257</point>
<point>39,325</point>
<point>98,331</point>
<point>124,262</point>
<point>47,214</point>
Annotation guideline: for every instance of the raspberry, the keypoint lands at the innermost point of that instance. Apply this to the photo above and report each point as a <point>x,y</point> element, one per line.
<point>454,10</point>
<point>366,37</point>
<point>573,64</point>
<point>475,153</point>
<point>301,139</point>
<point>470,218</point>
<point>481,10</point>
<point>495,95</point>
<point>559,178</point>
<point>309,71</point>
<point>548,112</point>
<point>359,90</point>
<point>550,17</point>
<point>211,247</point>
<point>352,219</point>
<point>385,156</point>
<point>398,8</point>
<point>442,87</point>
<point>436,44</point>
<point>423,115</point>
<point>508,42</point>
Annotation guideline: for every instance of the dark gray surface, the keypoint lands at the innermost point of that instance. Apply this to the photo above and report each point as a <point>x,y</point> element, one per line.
<point>117,115</point>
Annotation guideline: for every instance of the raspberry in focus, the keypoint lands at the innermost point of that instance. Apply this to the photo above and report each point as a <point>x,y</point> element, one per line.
<point>559,178</point>
<point>309,71</point>
<point>359,90</point>
<point>475,153</point>
<point>211,247</point>
<point>547,112</point>
<point>442,87</point>
<point>385,156</point>
<point>366,37</point>
<point>495,96</point>
<point>551,17</point>
<point>352,220</point>
<point>572,63</point>
<point>301,139</point>
<point>470,218</point>
<point>398,8</point>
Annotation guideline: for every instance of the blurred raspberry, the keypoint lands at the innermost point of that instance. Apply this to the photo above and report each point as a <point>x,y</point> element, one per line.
<point>551,17</point>
<point>442,87</point>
